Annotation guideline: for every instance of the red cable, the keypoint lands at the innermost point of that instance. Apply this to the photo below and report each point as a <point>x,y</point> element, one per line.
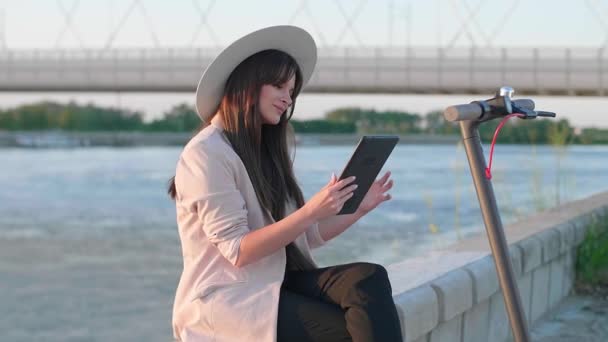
<point>489,168</point>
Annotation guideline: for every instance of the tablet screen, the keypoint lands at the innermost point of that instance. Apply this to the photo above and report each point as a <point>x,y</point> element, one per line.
<point>365,163</point>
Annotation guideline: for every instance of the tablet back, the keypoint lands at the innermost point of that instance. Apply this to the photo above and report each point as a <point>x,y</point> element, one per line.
<point>371,153</point>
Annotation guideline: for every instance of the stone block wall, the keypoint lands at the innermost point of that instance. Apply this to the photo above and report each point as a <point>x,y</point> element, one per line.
<point>463,302</point>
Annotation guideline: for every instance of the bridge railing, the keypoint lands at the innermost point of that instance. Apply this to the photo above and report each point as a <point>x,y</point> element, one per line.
<point>347,69</point>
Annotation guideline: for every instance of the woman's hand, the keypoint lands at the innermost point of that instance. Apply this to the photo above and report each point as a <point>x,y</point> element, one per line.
<point>330,200</point>
<point>376,194</point>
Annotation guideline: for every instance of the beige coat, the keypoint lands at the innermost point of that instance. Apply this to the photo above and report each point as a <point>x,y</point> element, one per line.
<point>216,206</point>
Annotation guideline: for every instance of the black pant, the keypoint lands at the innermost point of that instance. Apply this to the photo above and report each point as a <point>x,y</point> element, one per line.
<point>351,302</point>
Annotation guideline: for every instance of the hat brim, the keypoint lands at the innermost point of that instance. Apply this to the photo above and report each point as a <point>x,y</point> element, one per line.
<point>292,40</point>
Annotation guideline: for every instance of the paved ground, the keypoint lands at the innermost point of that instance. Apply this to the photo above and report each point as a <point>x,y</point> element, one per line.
<point>577,319</point>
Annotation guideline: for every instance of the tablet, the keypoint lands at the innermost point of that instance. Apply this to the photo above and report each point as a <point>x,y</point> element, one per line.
<point>365,163</point>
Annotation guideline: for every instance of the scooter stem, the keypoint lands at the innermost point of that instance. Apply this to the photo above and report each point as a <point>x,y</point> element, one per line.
<point>494,230</point>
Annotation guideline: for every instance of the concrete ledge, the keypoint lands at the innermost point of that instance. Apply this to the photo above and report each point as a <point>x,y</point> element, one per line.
<point>551,241</point>
<point>419,311</point>
<point>568,235</point>
<point>583,223</point>
<point>540,292</point>
<point>454,295</point>
<point>525,292</point>
<point>556,279</point>
<point>446,331</point>
<point>499,327</point>
<point>477,322</point>
<point>424,338</point>
<point>484,278</point>
<point>580,230</point>
<point>570,272</point>
<point>532,253</point>
<point>516,260</point>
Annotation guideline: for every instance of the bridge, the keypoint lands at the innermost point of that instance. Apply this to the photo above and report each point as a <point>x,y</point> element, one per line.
<point>383,56</point>
<point>339,70</point>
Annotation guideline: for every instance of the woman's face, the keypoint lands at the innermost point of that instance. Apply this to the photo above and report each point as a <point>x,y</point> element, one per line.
<point>274,100</point>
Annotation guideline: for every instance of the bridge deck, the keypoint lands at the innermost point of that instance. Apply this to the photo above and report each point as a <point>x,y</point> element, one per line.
<point>346,70</point>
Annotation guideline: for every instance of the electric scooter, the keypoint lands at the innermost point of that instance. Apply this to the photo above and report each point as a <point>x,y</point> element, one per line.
<point>470,116</point>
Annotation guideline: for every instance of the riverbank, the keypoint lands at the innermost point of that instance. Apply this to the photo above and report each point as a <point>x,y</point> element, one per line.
<point>62,139</point>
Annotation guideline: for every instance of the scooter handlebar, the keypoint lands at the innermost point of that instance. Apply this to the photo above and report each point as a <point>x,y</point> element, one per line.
<point>461,112</point>
<point>473,111</point>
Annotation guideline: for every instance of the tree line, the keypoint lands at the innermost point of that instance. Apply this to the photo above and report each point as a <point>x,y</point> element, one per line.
<point>352,120</point>
<point>89,117</point>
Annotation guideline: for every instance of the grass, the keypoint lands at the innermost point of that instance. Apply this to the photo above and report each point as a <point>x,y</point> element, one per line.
<point>592,256</point>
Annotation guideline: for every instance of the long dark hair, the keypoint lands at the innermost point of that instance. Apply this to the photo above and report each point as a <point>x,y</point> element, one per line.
<point>263,149</point>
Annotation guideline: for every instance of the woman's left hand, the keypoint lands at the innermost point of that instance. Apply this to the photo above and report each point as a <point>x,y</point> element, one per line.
<point>376,194</point>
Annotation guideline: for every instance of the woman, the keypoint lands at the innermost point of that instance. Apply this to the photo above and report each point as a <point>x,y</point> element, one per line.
<point>245,229</point>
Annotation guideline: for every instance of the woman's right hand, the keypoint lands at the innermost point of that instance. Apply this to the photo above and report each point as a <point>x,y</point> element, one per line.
<point>330,200</point>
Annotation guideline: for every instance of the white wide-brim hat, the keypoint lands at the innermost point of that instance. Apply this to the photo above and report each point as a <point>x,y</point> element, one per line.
<point>292,40</point>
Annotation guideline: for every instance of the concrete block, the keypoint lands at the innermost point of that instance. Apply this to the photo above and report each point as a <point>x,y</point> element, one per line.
<point>580,231</point>
<point>450,331</point>
<point>599,213</point>
<point>551,242</point>
<point>419,311</point>
<point>516,260</point>
<point>476,323</point>
<point>586,218</point>
<point>569,260</point>
<point>455,293</point>
<point>499,321</point>
<point>485,280</point>
<point>581,224</point>
<point>424,338</point>
<point>540,293</point>
<point>525,293</point>
<point>568,236</point>
<point>556,282</point>
<point>532,253</point>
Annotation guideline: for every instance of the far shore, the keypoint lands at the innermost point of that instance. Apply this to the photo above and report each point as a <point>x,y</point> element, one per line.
<point>54,139</point>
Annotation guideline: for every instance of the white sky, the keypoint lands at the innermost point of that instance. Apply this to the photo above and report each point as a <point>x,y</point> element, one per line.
<point>26,24</point>
<point>42,23</point>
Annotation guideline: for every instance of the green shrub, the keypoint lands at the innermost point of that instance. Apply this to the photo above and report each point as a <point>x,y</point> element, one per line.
<point>592,254</point>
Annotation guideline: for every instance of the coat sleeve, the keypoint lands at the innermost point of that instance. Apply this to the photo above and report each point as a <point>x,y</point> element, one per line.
<point>206,186</point>
<point>313,236</point>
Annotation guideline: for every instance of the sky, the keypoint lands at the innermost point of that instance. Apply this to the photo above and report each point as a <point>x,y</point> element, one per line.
<point>44,24</point>
<point>97,23</point>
